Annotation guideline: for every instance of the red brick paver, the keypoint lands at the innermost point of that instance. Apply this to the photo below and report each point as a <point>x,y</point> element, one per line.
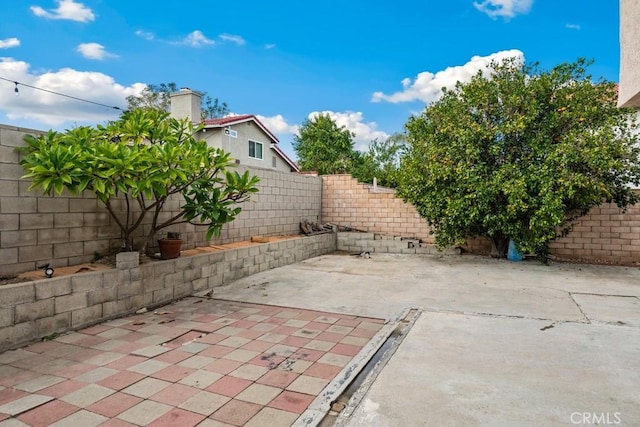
<point>193,362</point>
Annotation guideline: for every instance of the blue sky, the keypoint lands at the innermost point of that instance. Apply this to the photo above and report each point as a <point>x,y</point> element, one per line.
<point>370,64</point>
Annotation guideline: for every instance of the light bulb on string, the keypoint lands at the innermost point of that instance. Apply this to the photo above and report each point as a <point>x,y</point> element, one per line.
<point>17,93</point>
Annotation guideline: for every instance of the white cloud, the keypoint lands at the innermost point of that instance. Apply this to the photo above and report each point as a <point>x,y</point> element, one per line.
<point>503,8</point>
<point>353,121</point>
<point>278,124</point>
<point>53,110</point>
<point>67,9</point>
<point>94,51</point>
<point>145,35</point>
<point>195,39</point>
<point>232,38</point>
<point>269,46</point>
<point>10,42</point>
<point>427,86</point>
<point>573,26</point>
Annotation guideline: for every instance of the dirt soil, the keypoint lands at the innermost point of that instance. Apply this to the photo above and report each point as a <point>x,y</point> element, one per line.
<point>109,261</point>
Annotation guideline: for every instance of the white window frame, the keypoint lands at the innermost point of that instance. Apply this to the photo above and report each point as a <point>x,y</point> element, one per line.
<point>256,143</point>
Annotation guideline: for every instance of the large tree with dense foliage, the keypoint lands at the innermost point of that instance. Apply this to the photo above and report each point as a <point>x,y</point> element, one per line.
<point>323,146</point>
<point>380,161</point>
<point>158,97</point>
<point>134,166</point>
<point>520,153</point>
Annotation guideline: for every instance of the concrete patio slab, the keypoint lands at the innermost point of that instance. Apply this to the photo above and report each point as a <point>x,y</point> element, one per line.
<point>464,370</point>
<point>498,343</point>
<point>611,309</point>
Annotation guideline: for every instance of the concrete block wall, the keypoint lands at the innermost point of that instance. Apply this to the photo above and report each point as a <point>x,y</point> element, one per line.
<point>346,202</point>
<point>68,230</point>
<point>284,200</point>
<point>37,229</point>
<point>33,310</point>
<point>357,243</point>
<point>605,234</point>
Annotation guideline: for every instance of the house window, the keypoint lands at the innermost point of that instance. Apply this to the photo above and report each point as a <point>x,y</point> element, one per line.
<point>255,150</point>
<point>273,161</point>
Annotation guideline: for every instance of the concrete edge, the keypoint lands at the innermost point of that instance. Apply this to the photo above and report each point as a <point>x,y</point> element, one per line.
<point>354,401</point>
<point>321,405</point>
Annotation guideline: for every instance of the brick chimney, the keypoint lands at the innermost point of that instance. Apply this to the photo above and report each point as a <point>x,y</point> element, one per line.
<point>186,104</point>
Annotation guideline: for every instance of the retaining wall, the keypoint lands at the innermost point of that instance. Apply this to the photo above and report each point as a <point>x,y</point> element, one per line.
<point>68,230</point>
<point>356,242</point>
<point>32,310</point>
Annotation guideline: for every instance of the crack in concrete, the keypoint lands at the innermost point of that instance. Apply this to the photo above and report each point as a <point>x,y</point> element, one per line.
<point>579,308</point>
<point>497,316</point>
<point>604,295</point>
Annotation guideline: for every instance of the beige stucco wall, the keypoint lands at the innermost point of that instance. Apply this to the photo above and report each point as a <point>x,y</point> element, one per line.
<point>239,147</point>
<point>629,89</point>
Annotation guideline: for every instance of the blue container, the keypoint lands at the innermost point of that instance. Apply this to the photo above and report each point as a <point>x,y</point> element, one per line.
<point>512,253</point>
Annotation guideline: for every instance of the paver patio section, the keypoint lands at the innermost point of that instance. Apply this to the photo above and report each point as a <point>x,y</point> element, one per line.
<point>194,362</point>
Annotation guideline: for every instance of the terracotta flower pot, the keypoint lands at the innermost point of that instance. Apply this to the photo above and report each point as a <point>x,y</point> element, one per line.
<point>169,248</point>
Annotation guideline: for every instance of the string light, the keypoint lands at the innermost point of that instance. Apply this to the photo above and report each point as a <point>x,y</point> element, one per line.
<point>17,92</point>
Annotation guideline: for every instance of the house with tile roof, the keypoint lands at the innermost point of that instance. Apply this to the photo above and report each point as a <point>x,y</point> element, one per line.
<point>245,137</point>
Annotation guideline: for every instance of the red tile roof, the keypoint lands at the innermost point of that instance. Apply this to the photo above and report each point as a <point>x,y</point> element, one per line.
<point>227,120</point>
<point>231,120</point>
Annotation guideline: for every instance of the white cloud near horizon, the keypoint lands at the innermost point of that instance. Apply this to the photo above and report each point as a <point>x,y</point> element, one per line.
<point>278,124</point>
<point>365,132</point>
<point>233,38</point>
<point>573,26</point>
<point>506,9</point>
<point>196,39</point>
<point>67,9</point>
<point>427,86</point>
<point>54,110</point>
<point>94,51</point>
<point>10,42</point>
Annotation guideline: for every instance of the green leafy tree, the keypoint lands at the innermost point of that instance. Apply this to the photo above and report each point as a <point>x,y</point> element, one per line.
<point>324,147</point>
<point>381,161</point>
<point>158,97</point>
<point>520,153</point>
<point>212,108</point>
<point>153,97</point>
<point>143,159</point>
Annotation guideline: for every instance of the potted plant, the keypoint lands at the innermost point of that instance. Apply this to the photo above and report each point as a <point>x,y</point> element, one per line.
<point>170,245</point>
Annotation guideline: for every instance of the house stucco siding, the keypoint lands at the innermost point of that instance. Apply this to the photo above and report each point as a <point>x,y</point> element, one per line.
<point>629,88</point>
<point>239,147</point>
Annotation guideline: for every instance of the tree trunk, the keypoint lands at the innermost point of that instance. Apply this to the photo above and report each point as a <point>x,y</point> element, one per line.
<point>499,246</point>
